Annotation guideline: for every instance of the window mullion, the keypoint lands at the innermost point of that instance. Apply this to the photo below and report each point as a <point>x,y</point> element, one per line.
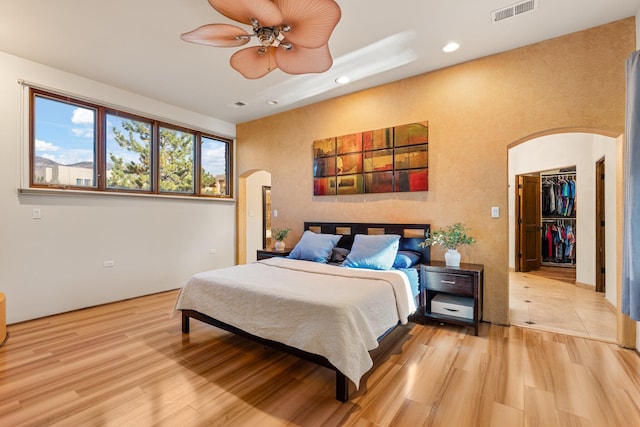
<point>155,158</point>
<point>197,164</point>
<point>101,149</point>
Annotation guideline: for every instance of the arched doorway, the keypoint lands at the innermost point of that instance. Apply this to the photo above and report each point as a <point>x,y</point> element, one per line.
<point>560,148</point>
<point>249,214</point>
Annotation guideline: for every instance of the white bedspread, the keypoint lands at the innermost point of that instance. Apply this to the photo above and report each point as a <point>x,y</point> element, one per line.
<point>335,312</point>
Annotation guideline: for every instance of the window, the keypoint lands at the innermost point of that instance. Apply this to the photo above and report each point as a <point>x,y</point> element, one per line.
<point>83,146</point>
<point>176,161</point>
<point>63,143</point>
<point>128,153</point>
<point>214,155</point>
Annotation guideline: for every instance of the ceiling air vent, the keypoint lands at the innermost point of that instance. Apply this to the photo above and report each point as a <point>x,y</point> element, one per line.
<point>513,10</point>
<point>239,104</point>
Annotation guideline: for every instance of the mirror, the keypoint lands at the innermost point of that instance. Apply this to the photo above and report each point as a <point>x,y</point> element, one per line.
<point>266,217</point>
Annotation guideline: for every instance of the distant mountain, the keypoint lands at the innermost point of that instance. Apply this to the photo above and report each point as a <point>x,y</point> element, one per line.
<point>86,165</point>
<point>43,161</point>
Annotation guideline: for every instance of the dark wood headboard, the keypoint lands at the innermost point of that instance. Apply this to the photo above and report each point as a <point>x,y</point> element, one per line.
<point>411,235</point>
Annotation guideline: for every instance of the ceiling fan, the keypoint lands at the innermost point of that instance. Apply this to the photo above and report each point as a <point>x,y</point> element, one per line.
<point>293,35</point>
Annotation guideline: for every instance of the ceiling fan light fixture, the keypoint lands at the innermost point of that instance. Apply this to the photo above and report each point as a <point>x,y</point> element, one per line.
<point>301,27</point>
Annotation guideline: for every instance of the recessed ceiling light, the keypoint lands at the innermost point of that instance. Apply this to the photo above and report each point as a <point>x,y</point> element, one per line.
<point>450,47</point>
<point>272,102</point>
<point>342,80</point>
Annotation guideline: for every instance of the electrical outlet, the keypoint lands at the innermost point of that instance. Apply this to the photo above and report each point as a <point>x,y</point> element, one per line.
<point>212,251</point>
<point>36,214</point>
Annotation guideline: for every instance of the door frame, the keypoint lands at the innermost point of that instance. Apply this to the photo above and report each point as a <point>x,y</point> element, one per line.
<point>600,245</point>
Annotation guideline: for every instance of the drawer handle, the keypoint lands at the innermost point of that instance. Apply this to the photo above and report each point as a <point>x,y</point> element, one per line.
<point>448,282</point>
<point>450,309</point>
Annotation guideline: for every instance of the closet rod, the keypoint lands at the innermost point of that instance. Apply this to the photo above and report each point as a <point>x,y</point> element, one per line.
<point>557,174</point>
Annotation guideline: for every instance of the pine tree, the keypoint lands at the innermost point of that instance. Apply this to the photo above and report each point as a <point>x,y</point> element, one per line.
<point>132,175</point>
<point>176,159</point>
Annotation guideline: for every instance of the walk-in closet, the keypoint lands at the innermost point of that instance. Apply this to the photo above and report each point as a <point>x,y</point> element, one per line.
<point>559,207</point>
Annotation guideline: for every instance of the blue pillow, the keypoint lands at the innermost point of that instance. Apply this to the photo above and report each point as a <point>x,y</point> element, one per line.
<point>406,259</point>
<point>314,247</point>
<point>373,251</point>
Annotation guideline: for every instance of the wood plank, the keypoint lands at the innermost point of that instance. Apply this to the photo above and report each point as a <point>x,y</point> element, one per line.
<point>128,363</point>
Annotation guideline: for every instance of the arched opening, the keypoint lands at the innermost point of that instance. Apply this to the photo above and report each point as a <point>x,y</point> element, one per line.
<point>582,149</point>
<point>250,214</point>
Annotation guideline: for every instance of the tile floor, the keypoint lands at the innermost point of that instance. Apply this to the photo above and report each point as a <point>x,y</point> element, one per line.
<point>552,305</point>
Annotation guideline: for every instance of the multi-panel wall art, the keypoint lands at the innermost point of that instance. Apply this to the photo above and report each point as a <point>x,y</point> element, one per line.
<point>375,161</point>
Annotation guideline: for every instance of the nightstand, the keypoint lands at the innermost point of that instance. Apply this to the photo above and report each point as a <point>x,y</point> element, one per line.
<point>270,253</point>
<point>452,294</point>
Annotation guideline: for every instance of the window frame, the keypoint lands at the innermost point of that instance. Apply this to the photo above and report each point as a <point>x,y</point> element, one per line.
<point>100,151</point>
<point>33,93</point>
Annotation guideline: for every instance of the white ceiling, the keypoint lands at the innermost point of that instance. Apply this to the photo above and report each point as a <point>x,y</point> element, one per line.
<point>135,45</point>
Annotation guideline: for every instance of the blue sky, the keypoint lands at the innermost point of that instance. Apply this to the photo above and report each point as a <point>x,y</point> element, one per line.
<point>65,134</point>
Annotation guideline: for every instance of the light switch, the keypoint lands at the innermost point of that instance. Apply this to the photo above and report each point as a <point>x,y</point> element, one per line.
<point>495,212</point>
<point>275,213</point>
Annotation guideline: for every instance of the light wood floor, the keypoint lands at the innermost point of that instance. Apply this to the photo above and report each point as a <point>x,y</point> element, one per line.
<point>128,364</point>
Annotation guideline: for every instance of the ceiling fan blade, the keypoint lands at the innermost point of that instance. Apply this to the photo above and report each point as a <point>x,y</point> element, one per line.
<point>265,11</point>
<point>220,35</point>
<point>311,21</point>
<point>300,60</point>
<point>252,64</point>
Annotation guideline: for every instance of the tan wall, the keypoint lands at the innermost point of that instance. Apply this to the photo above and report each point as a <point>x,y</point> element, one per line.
<point>475,110</point>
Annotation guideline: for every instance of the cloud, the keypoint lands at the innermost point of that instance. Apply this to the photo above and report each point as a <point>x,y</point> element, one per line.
<point>68,157</point>
<point>45,146</point>
<point>83,133</point>
<point>61,155</point>
<point>83,116</point>
<point>214,160</point>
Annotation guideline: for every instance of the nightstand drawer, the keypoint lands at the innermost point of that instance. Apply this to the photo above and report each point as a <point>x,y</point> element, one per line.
<point>459,284</point>
<point>452,305</point>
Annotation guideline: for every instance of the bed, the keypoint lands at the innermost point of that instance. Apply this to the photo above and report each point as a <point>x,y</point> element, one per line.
<point>332,301</point>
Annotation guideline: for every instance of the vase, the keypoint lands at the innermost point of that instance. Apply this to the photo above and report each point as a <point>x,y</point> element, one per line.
<point>452,258</point>
<point>279,246</point>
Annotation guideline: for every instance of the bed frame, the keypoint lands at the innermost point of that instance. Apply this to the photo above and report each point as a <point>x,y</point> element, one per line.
<point>410,237</point>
